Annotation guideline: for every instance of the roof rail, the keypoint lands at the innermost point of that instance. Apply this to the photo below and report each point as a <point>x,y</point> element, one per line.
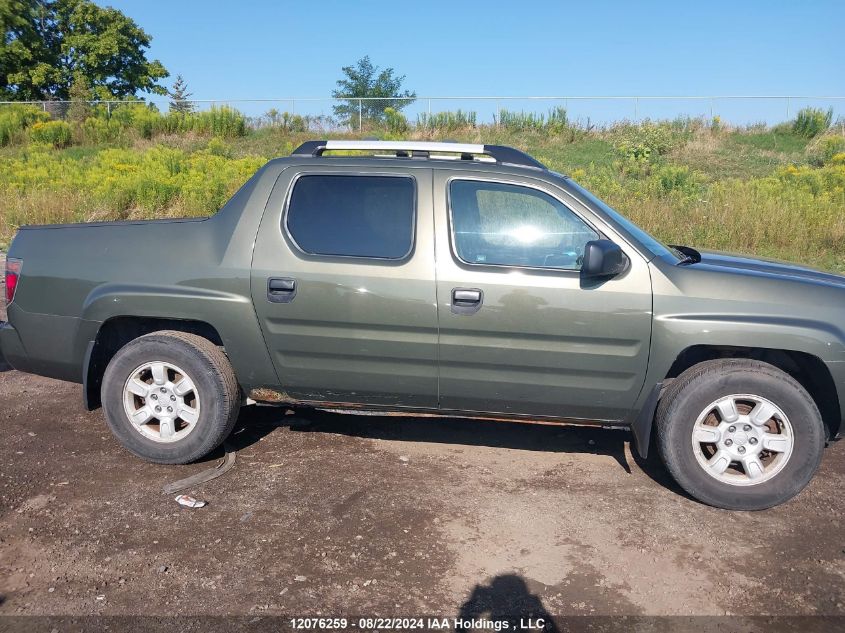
<point>424,149</point>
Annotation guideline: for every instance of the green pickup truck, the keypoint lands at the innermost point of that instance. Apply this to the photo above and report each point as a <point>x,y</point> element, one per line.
<point>444,279</point>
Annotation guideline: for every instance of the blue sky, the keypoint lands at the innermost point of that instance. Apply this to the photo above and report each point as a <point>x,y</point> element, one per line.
<point>269,49</point>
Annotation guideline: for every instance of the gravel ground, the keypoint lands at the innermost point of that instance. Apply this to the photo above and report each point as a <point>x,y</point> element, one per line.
<point>328,514</point>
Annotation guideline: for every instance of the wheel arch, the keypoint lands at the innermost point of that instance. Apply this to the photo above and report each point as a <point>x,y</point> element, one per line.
<point>808,370</point>
<point>117,332</point>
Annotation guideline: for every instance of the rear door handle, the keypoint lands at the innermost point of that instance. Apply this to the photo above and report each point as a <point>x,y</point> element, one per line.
<point>281,289</point>
<point>466,300</point>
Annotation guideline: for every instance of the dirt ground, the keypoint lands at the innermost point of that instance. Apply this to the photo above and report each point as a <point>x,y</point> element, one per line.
<point>337,514</point>
<point>325,513</point>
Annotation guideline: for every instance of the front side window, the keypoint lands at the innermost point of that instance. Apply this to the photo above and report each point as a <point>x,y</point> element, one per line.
<point>508,225</point>
<point>353,216</point>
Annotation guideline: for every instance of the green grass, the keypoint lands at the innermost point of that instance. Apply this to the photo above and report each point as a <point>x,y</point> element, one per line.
<point>729,159</point>
<point>777,140</point>
<point>769,191</point>
<point>567,157</point>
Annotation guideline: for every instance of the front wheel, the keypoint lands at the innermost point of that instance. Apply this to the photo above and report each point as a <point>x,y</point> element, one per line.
<point>170,397</point>
<point>739,434</point>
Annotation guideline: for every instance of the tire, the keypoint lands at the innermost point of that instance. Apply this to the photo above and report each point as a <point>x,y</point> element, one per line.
<point>148,373</point>
<point>699,432</point>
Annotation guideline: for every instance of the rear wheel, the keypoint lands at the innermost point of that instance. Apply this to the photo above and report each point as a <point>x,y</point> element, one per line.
<point>739,434</point>
<point>170,397</point>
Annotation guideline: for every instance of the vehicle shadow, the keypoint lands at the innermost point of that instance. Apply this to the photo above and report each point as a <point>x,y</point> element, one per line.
<point>654,468</point>
<point>256,422</point>
<point>506,598</point>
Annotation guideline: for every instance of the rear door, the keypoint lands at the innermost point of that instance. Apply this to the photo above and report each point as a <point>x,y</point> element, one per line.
<point>343,284</point>
<point>520,332</point>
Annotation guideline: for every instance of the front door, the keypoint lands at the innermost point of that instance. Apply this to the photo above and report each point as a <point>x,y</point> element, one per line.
<point>519,331</point>
<point>343,284</point>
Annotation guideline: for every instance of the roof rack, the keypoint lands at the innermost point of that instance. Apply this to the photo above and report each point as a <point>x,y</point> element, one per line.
<point>423,149</point>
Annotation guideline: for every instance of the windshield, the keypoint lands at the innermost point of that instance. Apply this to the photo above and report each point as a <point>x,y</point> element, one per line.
<point>654,245</point>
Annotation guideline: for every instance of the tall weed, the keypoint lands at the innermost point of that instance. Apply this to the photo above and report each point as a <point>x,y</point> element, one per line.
<point>117,184</point>
<point>450,121</point>
<point>648,140</point>
<point>15,119</point>
<point>397,124</point>
<point>55,133</point>
<point>520,121</point>
<point>811,122</point>
<point>825,148</point>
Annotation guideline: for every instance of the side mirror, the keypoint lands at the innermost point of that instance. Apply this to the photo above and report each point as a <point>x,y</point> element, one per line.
<point>603,258</point>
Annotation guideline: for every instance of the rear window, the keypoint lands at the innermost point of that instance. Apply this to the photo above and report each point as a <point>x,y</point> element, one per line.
<point>353,216</point>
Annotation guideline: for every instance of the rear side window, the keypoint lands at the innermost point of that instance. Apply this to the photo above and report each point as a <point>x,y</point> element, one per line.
<point>353,216</point>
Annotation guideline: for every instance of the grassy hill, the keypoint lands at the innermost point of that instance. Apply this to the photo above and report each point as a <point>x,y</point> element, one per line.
<point>774,191</point>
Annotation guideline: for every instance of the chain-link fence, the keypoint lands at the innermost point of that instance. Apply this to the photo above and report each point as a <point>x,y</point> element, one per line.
<point>400,113</point>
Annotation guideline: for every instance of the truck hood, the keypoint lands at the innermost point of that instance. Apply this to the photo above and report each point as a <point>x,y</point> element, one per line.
<point>754,266</point>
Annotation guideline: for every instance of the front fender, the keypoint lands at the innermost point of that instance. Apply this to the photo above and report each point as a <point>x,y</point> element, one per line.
<point>672,333</point>
<point>746,304</point>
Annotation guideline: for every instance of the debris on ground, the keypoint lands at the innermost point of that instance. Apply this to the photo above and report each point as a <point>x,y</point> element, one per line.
<point>207,475</point>
<point>190,502</point>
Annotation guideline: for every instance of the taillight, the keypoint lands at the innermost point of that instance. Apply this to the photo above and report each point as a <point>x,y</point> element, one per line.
<point>13,274</point>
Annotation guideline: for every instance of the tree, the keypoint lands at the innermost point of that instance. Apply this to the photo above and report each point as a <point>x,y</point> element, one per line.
<point>363,80</point>
<point>272,115</point>
<point>48,43</point>
<point>25,55</point>
<point>80,93</point>
<point>180,95</point>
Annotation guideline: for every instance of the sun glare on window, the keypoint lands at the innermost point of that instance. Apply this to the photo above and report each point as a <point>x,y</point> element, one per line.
<point>526,234</point>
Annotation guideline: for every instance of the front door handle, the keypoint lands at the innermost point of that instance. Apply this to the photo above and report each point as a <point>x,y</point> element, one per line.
<point>281,289</point>
<point>466,300</point>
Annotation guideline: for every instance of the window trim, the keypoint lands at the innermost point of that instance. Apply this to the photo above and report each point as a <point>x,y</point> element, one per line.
<point>453,245</point>
<point>414,212</point>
